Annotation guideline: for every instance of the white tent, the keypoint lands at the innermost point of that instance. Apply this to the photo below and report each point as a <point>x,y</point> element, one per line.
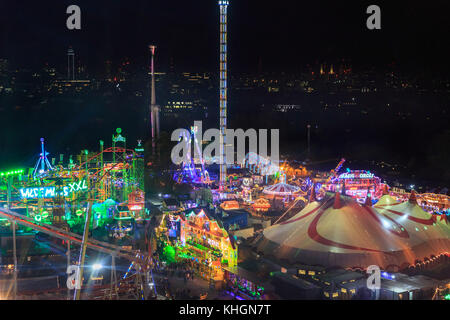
<point>281,189</point>
<point>340,232</point>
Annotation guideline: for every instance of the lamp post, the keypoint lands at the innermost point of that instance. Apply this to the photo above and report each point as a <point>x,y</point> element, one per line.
<point>84,243</point>
<point>15,258</point>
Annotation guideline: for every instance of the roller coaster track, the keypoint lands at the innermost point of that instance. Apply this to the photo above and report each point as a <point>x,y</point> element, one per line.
<point>68,236</point>
<point>108,150</point>
<point>139,261</point>
<point>79,168</point>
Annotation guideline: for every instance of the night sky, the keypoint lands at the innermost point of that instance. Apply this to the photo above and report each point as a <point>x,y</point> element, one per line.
<point>284,35</point>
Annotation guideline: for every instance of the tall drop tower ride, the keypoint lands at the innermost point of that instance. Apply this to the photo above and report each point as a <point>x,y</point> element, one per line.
<point>223,4</point>
<point>154,109</point>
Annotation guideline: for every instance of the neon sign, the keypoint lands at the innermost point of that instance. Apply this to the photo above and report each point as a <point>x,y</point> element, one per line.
<point>119,137</point>
<point>51,192</point>
<point>353,176</point>
<point>12,172</point>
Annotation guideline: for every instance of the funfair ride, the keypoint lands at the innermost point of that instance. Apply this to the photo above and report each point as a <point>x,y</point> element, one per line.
<point>193,170</point>
<point>59,193</point>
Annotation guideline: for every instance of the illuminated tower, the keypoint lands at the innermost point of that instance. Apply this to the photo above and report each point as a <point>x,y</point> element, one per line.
<point>223,4</point>
<point>70,56</point>
<point>42,165</point>
<point>154,109</point>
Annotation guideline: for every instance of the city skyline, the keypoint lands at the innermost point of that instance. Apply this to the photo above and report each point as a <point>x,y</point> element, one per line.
<point>136,162</point>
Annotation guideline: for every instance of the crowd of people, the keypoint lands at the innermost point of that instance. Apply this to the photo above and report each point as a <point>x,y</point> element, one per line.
<point>179,270</point>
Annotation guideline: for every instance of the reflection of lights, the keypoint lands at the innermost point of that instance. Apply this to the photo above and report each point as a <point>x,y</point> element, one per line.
<point>388,276</point>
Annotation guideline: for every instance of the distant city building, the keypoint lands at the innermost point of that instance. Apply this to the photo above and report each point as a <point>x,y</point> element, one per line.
<point>4,66</point>
<point>180,108</point>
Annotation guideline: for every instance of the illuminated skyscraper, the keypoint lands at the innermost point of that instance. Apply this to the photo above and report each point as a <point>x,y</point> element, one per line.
<point>223,4</point>
<point>70,56</point>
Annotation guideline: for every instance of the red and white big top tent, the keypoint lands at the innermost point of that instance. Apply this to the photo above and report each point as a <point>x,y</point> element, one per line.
<point>281,189</point>
<point>338,231</point>
<point>428,234</point>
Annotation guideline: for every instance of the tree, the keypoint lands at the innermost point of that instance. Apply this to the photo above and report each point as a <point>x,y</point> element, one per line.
<point>204,195</point>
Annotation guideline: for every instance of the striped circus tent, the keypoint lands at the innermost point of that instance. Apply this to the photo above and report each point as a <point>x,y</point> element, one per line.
<point>338,231</point>
<point>385,200</point>
<point>428,233</point>
<point>281,189</point>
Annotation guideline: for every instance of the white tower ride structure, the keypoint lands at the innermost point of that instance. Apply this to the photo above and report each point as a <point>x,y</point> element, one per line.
<point>154,109</point>
<point>223,4</point>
